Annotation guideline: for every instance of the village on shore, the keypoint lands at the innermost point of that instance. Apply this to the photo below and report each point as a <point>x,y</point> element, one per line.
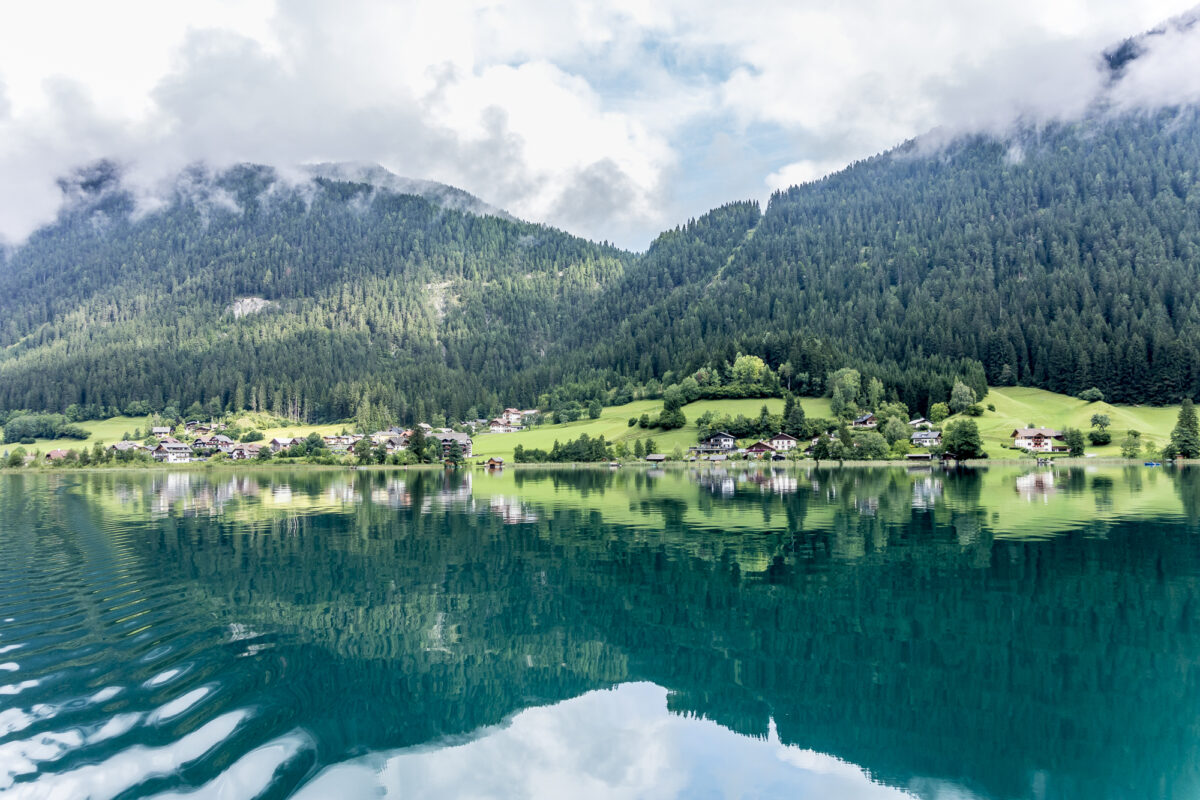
<point>200,441</point>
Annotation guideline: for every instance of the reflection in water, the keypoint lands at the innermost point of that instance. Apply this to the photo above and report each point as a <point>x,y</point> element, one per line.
<point>702,632</point>
<point>619,743</point>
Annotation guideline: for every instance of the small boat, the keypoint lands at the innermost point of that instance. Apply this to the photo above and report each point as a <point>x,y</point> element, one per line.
<point>1153,463</point>
<point>614,464</point>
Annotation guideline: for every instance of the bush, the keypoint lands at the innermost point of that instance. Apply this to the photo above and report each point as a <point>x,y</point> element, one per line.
<point>991,406</point>
<point>252,435</point>
<point>1092,395</point>
<point>973,410</point>
<point>1099,437</point>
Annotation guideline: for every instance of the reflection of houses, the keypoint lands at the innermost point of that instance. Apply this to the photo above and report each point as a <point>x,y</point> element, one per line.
<point>777,482</point>
<point>1038,440</point>
<point>926,492</point>
<point>1035,485</point>
<point>511,510</point>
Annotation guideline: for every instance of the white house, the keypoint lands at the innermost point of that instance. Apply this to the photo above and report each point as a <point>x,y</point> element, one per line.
<point>783,441</point>
<point>512,416</point>
<point>172,453</point>
<point>926,438</point>
<point>719,442</point>
<point>1037,440</point>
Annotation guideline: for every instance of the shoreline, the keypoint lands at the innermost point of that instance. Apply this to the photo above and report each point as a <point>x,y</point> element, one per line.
<point>802,464</point>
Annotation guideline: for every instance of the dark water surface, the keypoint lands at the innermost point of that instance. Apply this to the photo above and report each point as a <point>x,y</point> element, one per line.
<point>794,633</point>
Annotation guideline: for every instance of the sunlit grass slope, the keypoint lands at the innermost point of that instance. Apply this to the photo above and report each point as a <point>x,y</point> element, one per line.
<point>613,424</point>
<point>1018,407</point>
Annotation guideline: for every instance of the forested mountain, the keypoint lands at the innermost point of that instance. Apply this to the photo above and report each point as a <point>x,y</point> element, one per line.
<point>1064,256</point>
<point>307,299</point>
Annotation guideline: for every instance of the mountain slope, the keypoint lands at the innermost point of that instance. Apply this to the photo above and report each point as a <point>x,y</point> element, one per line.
<point>1063,258</point>
<point>358,293</point>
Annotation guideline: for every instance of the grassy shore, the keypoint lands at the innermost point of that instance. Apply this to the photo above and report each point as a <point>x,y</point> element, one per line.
<point>1015,407</point>
<point>613,425</point>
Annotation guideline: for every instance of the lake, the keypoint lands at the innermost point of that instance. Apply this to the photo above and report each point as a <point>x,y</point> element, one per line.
<point>693,633</point>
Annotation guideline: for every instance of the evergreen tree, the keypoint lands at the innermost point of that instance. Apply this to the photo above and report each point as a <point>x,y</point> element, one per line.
<point>1185,438</point>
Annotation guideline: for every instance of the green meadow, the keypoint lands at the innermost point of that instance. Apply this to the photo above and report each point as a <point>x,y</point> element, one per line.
<point>613,425</point>
<point>1019,407</point>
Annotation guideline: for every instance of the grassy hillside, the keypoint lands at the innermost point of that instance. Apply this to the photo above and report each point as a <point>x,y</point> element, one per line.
<point>613,424</point>
<point>1018,406</point>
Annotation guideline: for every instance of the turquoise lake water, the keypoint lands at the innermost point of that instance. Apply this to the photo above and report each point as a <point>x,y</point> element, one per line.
<point>887,633</point>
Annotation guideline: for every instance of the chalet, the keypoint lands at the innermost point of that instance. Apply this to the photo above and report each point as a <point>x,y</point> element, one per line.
<point>528,414</point>
<point>1038,440</point>
<point>125,447</point>
<point>866,421</point>
<point>448,439</point>
<point>499,425</point>
<point>244,452</point>
<point>57,455</point>
<point>719,442</point>
<point>169,440</point>
<point>495,463</point>
<point>656,458</point>
<point>926,438</point>
<point>783,441</point>
<point>172,453</point>
<point>204,444</point>
<point>343,442</point>
<point>196,426</point>
<point>919,423</point>
<point>512,416</point>
<point>160,430</point>
<point>283,443</point>
<point>392,443</point>
<point>760,449</point>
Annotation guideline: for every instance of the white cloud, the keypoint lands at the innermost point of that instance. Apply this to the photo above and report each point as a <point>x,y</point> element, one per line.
<point>621,743</point>
<point>590,115</point>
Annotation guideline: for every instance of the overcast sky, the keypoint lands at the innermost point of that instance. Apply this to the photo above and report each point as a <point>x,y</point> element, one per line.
<point>613,120</point>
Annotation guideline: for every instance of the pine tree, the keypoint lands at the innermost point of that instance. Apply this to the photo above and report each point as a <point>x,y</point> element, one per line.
<point>1185,439</point>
